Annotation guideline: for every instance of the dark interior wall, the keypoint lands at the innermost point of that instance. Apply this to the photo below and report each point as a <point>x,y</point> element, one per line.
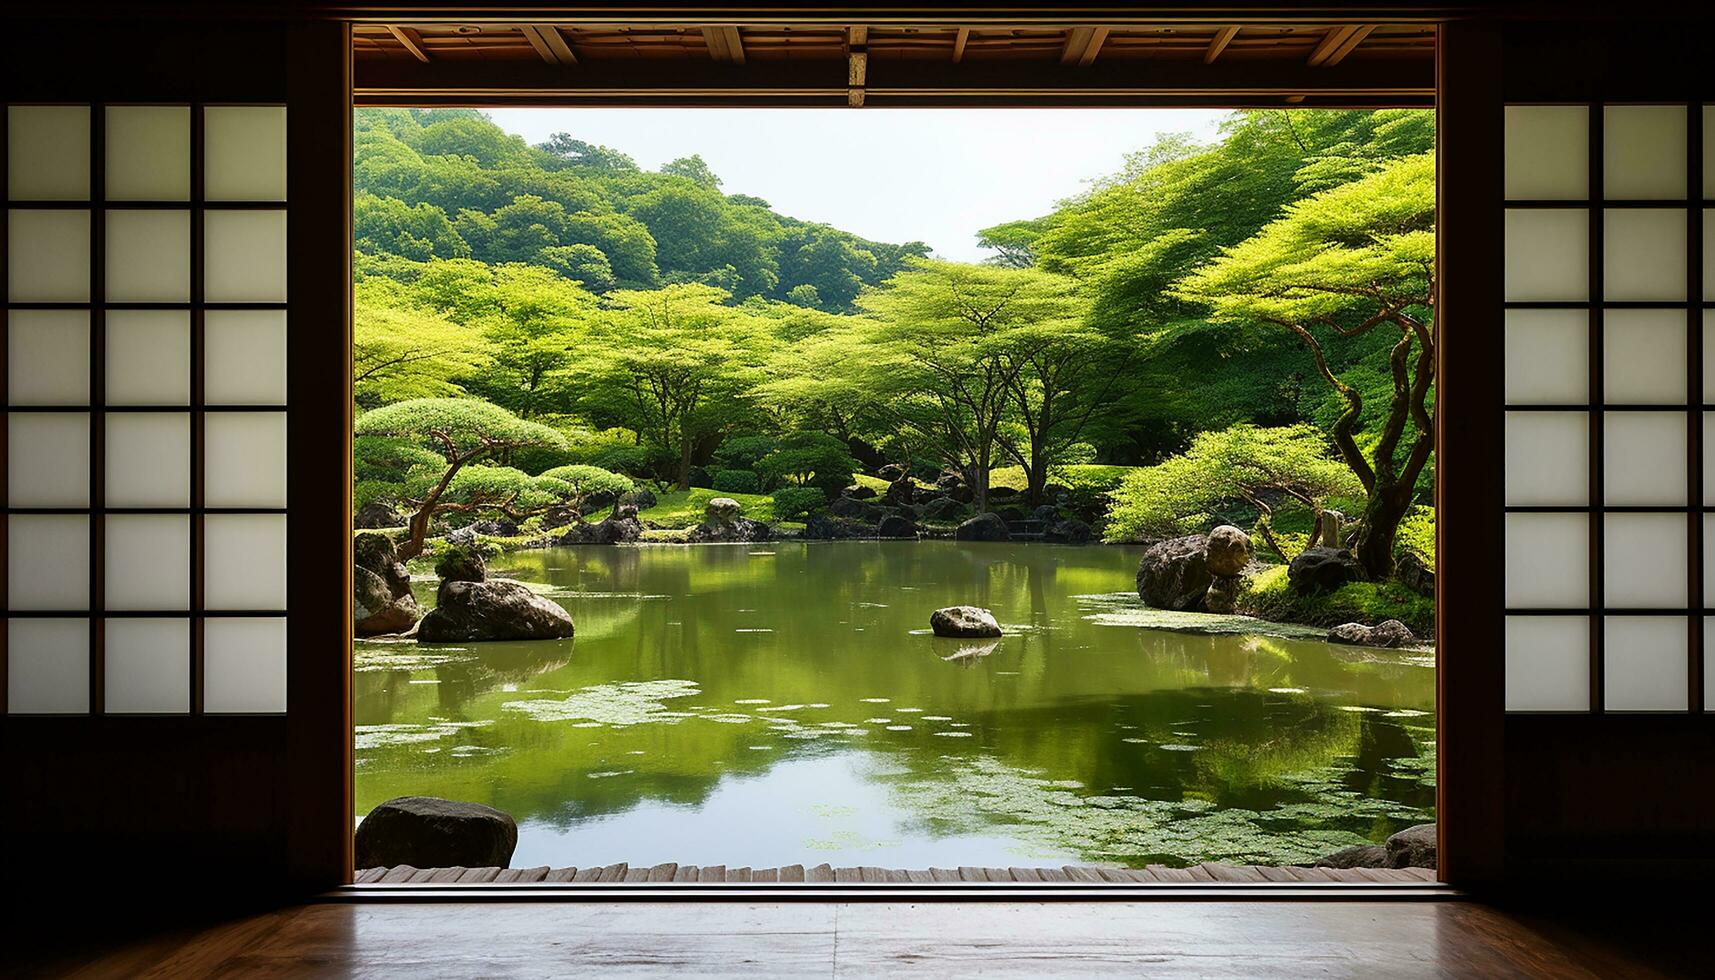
<point>169,799</point>
<point>1625,796</point>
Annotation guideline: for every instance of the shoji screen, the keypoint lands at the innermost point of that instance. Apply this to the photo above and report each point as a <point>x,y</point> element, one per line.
<point>145,466</point>
<point>1609,288</point>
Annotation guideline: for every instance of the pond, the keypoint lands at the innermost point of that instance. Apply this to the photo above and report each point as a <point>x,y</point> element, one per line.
<point>785,704</point>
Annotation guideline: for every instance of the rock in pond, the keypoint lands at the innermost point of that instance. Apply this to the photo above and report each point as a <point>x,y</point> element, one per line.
<point>461,565</point>
<point>375,515</point>
<point>737,529</point>
<point>1322,570</point>
<point>983,527</point>
<point>1223,594</point>
<point>1359,856</point>
<point>723,510</point>
<point>611,530</point>
<point>1413,847</point>
<point>1229,550</point>
<point>1389,633</point>
<point>498,610</point>
<point>427,832</point>
<point>1069,531</point>
<point>964,621</point>
<point>1174,574</point>
<point>896,526</point>
<point>381,589</point>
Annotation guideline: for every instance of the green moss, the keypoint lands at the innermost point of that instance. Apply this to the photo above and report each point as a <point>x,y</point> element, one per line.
<point>1268,596</point>
<point>686,508</point>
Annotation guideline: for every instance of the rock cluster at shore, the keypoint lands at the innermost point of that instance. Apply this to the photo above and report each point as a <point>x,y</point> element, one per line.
<point>382,600</point>
<point>1195,573</point>
<point>426,832</point>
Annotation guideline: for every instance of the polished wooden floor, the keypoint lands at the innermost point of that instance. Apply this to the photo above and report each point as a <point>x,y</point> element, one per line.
<point>1368,939</point>
<point>1070,874</point>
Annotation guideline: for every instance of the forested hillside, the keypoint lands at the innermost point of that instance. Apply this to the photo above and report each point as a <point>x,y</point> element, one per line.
<point>1263,302</point>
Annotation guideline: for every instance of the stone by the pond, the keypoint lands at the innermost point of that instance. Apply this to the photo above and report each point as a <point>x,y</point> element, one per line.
<point>1223,594</point>
<point>1358,856</point>
<point>376,610</point>
<point>496,610</point>
<point>1322,570</point>
<point>1389,633</point>
<point>461,565</point>
<point>374,515</point>
<point>723,509</point>
<point>900,492</point>
<point>942,509</point>
<point>896,526</point>
<point>983,527</point>
<point>1413,847</point>
<point>964,621</point>
<point>737,529</point>
<point>1416,575</point>
<point>427,832</point>
<point>611,530</point>
<point>496,529</point>
<point>642,498</point>
<point>1174,574</point>
<point>1229,550</point>
<point>1069,531</point>
<point>1047,514</point>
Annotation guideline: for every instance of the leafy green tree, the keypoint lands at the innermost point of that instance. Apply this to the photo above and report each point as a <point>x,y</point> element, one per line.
<point>584,263</point>
<point>626,242</point>
<point>1347,261</point>
<point>562,149</point>
<point>583,481</point>
<point>674,365</point>
<point>1256,466</point>
<point>805,457</point>
<point>693,168</point>
<point>389,225</point>
<point>463,431</point>
<point>402,350</point>
<point>790,502</point>
<point>1013,242</point>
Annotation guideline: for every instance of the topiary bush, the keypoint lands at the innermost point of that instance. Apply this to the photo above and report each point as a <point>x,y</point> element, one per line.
<point>737,481</point>
<point>790,502</point>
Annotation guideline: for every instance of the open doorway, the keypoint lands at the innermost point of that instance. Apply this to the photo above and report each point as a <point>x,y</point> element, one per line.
<point>723,404</point>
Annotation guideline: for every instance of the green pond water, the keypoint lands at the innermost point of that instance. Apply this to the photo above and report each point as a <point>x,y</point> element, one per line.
<point>785,704</point>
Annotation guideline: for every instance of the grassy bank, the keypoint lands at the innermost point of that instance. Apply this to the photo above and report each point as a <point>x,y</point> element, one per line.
<point>1268,596</point>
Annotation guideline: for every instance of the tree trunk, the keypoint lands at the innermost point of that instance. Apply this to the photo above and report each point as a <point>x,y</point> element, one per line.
<point>1385,508</point>
<point>1036,474</point>
<point>684,480</point>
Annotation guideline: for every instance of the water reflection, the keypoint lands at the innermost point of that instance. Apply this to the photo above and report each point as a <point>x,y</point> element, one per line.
<point>713,691</point>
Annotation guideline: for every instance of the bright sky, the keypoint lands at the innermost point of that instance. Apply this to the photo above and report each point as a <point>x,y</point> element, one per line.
<point>892,175</point>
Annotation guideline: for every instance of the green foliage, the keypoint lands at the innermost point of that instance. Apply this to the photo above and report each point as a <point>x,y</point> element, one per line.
<point>737,481</point>
<point>1269,596</point>
<point>1417,534</point>
<point>588,480</point>
<point>807,457</point>
<point>461,427</point>
<point>1244,463</point>
<point>791,502</point>
<point>401,349</point>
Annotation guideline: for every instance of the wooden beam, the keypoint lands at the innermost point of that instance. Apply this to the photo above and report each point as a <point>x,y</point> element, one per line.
<point>724,44</point>
<point>1345,48</point>
<point>537,42</point>
<point>557,43</point>
<point>960,39</point>
<point>411,41</point>
<point>1082,46</point>
<point>854,98</point>
<point>1223,37</point>
<point>1335,37</point>
<point>857,60</point>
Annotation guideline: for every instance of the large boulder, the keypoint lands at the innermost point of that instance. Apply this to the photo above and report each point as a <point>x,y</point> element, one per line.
<point>426,832</point>
<point>900,493</point>
<point>1357,856</point>
<point>1223,594</point>
<point>377,553</point>
<point>737,529</point>
<point>1229,550</point>
<point>461,565</point>
<point>983,527</point>
<point>896,526</point>
<point>641,498</point>
<point>1389,633</point>
<point>612,530</point>
<point>376,610</point>
<point>375,514</point>
<point>964,621</point>
<point>498,610</point>
<point>722,510</point>
<point>1322,570</point>
<point>1415,574</point>
<point>942,509</point>
<point>1069,531</point>
<point>1174,574</point>
<point>1413,847</point>
<point>1047,514</point>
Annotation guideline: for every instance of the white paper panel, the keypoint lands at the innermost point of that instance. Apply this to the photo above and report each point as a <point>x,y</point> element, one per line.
<point>148,153</point>
<point>1708,357</point>
<point>244,357</point>
<point>1643,151</point>
<point>1548,561</point>
<point>244,561</point>
<point>1547,152</point>
<point>1548,255</point>
<point>1709,560</point>
<point>47,670</point>
<point>1643,253</point>
<point>47,357</point>
<point>1644,363</point>
<point>244,665</point>
<point>1644,663</point>
<point>148,256</point>
<point>1646,563</point>
<point>244,256</point>
<point>1645,458</point>
<point>244,153</point>
<point>244,463</point>
<point>148,562</point>
<point>148,459</point>
<point>1548,663</point>
<point>47,153</point>
<point>148,665</point>
<point>1548,458</point>
<point>1547,357</point>
<point>148,357</point>
<point>1709,151</point>
<point>1709,253</point>
<point>1708,665</point>
<point>47,561</point>
<point>47,459</point>
<point>47,256</point>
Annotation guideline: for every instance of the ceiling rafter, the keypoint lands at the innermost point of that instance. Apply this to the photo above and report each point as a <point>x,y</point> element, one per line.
<point>724,43</point>
<point>1223,37</point>
<point>857,65</point>
<point>960,38</point>
<point>1082,45</point>
<point>1339,42</point>
<point>557,43</point>
<point>410,41</point>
